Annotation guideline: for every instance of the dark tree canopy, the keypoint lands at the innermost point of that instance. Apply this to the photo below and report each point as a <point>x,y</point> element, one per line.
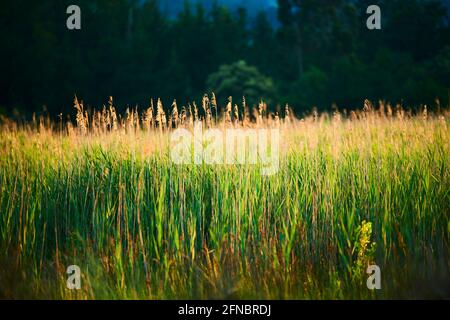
<point>320,53</point>
<point>241,80</point>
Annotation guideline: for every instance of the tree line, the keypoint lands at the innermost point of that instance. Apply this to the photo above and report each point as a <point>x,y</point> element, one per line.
<point>321,54</point>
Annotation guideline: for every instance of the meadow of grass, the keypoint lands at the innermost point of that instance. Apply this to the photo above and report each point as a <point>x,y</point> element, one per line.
<point>367,187</point>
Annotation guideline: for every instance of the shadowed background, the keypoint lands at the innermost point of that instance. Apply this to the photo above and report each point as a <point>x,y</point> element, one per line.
<point>308,53</point>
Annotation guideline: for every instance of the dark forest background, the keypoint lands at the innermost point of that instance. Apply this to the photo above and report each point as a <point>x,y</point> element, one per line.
<point>319,53</point>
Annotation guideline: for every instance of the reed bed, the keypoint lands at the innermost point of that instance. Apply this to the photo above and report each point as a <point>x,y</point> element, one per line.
<point>353,189</point>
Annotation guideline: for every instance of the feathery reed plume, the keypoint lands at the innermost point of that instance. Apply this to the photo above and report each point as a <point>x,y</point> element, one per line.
<point>381,110</point>
<point>160,115</point>
<point>438,106</point>
<point>367,105</point>
<point>315,114</point>
<point>196,117</point>
<point>259,118</point>
<point>425,113</point>
<point>81,119</point>
<point>112,111</point>
<point>336,115</point>
<point>207,110</point>
<point>93,124</point>
<point>175,117</point>
<point>368,108</point>
<point>244,106</point>
<point>97,122</point>
<point>214,103</point>
<point>129,120</point>
<point>104,120</point>
<point>389,111</point>
<point>147,117</point>
<point>183,116</point>
<point>191,116</point>
<point>277,119</point>
<point>228,111</point>
<point>246,119</point>
<point>236,114</point>
<point>137,125</point>
<point>86,120</point>
<point>287,114</point>
<point>205,103</point>
<point>400,113</point>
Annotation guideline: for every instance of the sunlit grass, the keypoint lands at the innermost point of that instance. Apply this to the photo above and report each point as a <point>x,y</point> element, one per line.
<point>373,188</point>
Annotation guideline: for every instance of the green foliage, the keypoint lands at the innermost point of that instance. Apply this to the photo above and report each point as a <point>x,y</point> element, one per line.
<point>141,227</point>
<point>310,89</point>
<point>318,55</point>
<point>441,66</point>
<point>241,80</point>
<point>364,250</point>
